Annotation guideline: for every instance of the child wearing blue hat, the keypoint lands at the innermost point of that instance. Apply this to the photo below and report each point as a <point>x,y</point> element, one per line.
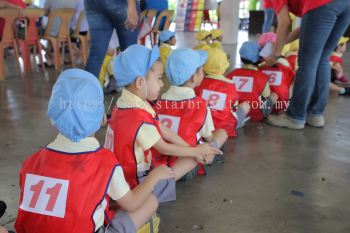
<point>180,109</point>
<point>251,84</point>
<point>134,128</point>
<point>166,40</point>
<point>64,185</point>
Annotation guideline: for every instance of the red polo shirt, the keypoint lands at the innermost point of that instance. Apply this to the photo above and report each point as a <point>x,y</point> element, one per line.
<point>298,7</point>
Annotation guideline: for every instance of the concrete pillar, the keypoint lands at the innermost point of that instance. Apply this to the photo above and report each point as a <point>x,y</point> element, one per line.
<point>230,21</point>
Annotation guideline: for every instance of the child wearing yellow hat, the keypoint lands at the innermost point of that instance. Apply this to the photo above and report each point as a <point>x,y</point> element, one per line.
<point>336,60</point>
<point>216,37</point>
<point>337,74</point>
<point>221,95</point>
<point>204,39</point>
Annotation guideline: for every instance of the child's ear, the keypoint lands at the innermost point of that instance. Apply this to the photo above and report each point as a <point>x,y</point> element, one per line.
<point>138,82</point>
<point>194,78</point>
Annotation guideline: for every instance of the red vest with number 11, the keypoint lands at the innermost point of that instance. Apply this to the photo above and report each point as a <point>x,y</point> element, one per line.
<point>60,191</point>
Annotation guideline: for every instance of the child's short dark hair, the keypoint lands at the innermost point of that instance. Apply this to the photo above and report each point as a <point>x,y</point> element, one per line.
<point>248,62</point>
<point>166,42</point>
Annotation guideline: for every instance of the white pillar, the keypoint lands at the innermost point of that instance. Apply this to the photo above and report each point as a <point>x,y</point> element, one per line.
<point>229,22</point>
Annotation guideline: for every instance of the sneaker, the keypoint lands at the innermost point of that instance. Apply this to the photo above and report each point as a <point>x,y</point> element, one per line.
<point>347,91</point>
<point>2,208</point>
<point>343,80</point>
<point>315,121</point>
<point>282,120</point>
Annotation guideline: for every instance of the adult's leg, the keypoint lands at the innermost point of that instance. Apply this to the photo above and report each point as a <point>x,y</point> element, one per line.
<point>101,30</point>
<point>316,28</point>
<point>118,14</point>
<point>319,98</point>
<point>269,15</point>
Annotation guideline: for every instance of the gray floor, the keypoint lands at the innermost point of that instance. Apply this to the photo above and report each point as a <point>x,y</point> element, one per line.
<point>273,180</point>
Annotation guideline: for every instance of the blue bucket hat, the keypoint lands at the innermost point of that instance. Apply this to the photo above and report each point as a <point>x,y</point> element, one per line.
<point>250,51</point>
<point>76,104</point>
<point>166,35</point>
<point>133,62</point>
<point>183,63</point>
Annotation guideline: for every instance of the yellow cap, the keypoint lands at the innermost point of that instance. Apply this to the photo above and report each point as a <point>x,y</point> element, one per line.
<point>216,33</point>
<point>217,62</point>
<point>291,47</point>
<point>201,35</point>
<point>343,40</point>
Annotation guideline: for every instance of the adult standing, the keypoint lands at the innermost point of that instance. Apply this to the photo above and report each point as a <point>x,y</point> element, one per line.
<point>103,16</point>
<point>269,15</point>
<point>323,23</point>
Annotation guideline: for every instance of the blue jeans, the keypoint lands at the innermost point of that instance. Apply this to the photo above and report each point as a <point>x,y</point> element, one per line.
<point>269,15</point>
<point>103,16</point>
<point>320,32</point>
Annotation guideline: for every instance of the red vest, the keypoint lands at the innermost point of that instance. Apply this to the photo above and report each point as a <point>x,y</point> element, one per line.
<point>221,97</point>
<point>299,7</point>
<point>292,59</point>
<point>250,84</point>
<point>64,199</point>
<point>336,58</point>
<point>125,124</point>
<point>186,118</point>
<point>280,80</point>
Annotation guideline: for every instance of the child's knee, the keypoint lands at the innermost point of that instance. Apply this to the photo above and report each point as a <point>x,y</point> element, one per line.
<point>245,107</point>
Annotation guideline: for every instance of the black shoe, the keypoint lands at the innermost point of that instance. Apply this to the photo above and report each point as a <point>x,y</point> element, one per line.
<point>3,207</point>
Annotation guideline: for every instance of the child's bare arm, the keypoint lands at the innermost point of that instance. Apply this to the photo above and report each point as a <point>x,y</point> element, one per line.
<point>200,152</point>
<point>135,198</point>
<point>171,136</point>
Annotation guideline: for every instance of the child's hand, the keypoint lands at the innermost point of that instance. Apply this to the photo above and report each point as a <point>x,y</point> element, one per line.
<point>162,173</point>
<point>206,152</point>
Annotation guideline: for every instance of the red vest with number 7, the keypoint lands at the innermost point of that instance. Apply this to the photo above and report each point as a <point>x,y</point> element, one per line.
<point>221,97</point>
<point>61,191</point>
<point>280,80</point>
<point>125,123</point>
<point>186,118</point>
<point>250,84</point>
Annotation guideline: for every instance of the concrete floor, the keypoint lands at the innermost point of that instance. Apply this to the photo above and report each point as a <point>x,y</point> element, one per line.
<point>273,180</point>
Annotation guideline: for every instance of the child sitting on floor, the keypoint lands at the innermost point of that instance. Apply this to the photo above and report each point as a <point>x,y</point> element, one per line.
<point>251,84</point>
<point>221,95</point>
<point>204,38</point>
<point>216,36</point>
<point>166,40</point>
<point>180,109</point>
<point>64,185</point>
<point>134,128</point>
<point>336,60</point>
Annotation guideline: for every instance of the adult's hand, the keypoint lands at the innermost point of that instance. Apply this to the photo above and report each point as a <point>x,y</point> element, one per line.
<point>132,18</point>
<point>270,60</point>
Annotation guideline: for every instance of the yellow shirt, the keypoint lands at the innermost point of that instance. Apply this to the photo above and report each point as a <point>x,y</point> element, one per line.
<point>176,93</point>
<point>216,44</point>
<point>106,68</point>
<point>147,135</point>
<point>164,50</point>
<point>266,92</point>
<point>202,46</point>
